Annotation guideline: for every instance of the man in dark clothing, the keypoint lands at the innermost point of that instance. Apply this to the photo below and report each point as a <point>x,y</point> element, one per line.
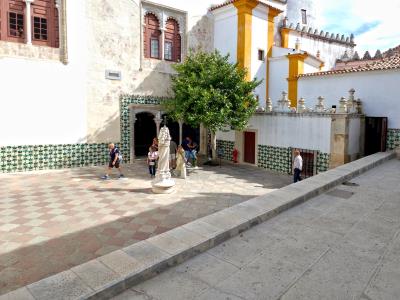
<point>115,159</point>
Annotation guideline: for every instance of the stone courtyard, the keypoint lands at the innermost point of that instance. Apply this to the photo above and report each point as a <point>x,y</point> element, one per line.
<point>51,221</point>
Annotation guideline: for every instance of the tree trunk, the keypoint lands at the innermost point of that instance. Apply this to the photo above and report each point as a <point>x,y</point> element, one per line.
<point>214,145</point>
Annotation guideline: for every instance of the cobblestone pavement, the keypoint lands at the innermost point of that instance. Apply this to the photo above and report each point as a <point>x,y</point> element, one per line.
<point>344,244</point>
<point>53,220</point>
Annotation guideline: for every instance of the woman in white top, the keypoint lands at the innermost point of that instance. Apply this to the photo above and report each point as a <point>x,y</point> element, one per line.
<point>152,157</point>
<point>297,166</point>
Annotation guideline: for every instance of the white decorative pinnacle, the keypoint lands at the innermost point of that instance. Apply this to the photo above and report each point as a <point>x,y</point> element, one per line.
<point>342,105</point>
<point>268,107</point>
<point>320,107</point>
<point>352,103</point>
<point>301,107</point>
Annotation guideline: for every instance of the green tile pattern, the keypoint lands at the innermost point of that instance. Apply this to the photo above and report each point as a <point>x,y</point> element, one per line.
<point>42,157</point>
<point>275,158</point>
<point>125,101</point>
<point>393,138</point>
<point>323,160</point>
<point>227,149</point>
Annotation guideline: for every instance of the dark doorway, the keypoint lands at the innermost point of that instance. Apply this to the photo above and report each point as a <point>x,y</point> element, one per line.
<point>193,133</point>
<point>309,162</point>
<point>250,147</point>
<point>375,134</point>
<point>173,128</point>
<point>145,131</point>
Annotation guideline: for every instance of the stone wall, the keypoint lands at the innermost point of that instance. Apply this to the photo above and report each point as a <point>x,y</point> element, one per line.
<point>114,31</point>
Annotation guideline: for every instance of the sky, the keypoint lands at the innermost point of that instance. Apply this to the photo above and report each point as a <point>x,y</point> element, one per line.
<point>374,24</point>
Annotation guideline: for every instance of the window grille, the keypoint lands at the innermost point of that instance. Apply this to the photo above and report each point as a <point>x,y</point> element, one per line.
<point>16,24</point>
<point>168,51</point>
<point>40,28</point>
<point>304,16</point>
<point>154,52</point>
<point>261,55</point>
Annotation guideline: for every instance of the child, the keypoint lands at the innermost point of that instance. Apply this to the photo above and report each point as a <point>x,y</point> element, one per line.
<point>181,162</point>
<point>152,157</point>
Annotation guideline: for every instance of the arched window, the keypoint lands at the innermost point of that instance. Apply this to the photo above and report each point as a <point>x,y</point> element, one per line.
<point>152,37</point>
<point>172,40</point>
<point>44,22</point>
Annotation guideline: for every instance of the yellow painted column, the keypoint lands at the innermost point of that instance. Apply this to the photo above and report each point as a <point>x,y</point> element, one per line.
<point>272,13</point>
<point>296,67</point>
<point>245,15</point>
<point>285,37</point>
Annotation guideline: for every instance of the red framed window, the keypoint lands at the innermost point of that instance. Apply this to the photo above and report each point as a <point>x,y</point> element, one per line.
<point>15,24</point>
<point>172,44</point>
<point>152,37</point>
<point>40,29</point>
<point>44,22</point>
<point>12,20</point>
<point>154,48</point>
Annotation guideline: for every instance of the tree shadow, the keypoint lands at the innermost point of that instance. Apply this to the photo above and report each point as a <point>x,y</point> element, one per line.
<point>29,264</point>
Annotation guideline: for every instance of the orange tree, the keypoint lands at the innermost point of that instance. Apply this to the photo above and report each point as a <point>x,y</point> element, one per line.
<point>210,90</point>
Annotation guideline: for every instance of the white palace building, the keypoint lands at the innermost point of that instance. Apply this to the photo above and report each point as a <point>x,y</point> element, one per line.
<point>77,75</point>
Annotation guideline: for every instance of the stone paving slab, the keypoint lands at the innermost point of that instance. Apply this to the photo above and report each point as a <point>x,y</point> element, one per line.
<point>158,253</point>
<point>281,259</point>
<point>51,221</point>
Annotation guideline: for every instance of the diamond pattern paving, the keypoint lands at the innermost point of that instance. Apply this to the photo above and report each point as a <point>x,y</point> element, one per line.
<point>53,220</point>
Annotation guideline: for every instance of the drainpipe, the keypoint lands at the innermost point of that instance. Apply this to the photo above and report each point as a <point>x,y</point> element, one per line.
<point>141,35</point>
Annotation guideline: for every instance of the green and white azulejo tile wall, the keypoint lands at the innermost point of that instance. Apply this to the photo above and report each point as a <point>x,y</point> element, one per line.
<point>393,139</point>
<point>275,158</point>
<point>125,101</point>
<point>42,157</point>
<point>225,148</point>
<point>60,156</point>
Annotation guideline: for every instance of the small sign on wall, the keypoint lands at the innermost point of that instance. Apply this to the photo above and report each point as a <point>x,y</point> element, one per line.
<point>113,75</point>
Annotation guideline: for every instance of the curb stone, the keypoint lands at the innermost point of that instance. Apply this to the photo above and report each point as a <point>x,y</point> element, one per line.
<point>111,274</point>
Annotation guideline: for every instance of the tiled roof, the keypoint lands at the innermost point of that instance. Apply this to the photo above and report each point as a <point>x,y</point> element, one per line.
<point>388,63</point>
<point>228,2</point>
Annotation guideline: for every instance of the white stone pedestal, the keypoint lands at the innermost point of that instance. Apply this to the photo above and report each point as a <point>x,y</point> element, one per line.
<point>163,183</point>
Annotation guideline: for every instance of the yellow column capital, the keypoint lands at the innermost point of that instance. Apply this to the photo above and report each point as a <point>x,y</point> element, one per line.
<point>296,67</point>
<point>244,35</point>
<point>245,6</point>
<point>285,37</point>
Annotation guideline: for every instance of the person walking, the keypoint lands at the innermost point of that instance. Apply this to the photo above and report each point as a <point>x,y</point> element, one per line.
<point>115,159</point>
<point>181,162</point>
<point>193,153</point>
<point>152,157</point>
<point>172,154</point>
<point>297,166</point>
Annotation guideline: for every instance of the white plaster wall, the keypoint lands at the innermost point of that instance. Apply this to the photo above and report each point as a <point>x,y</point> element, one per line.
<point>279,51</point>
<point>259,42</point>
<point>225,31</point>
<point>354,136</point>
<point>195,9</point>
<point>311,132</point>
<point>309,68</point>
<point>44,102</point>
<point>329,51</point>
<point>228,135</point>
<point>294,8</point>
<point>378,91</point>
<point>279,70</point>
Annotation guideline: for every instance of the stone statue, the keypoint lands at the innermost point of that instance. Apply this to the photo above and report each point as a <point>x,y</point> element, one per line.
<point>163,183</point>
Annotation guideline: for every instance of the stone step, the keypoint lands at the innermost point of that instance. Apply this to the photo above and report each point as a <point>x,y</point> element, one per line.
<point>111,274</point>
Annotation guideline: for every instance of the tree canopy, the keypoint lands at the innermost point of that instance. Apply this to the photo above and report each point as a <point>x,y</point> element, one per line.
<point>209,90</point>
